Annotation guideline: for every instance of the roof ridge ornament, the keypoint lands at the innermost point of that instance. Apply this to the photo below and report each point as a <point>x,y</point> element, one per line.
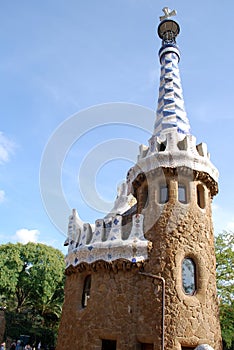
<point>168,28</point>
<point>167,13</point>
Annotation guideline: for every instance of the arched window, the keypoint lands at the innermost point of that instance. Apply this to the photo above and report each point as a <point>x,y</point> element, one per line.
<point>189,276</point>
<point>182,193</point>
<point>164,194</point>
<point>201,196</point>
<point>86,290</point>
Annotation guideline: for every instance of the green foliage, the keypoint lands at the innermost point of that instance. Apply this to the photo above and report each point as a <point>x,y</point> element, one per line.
<point>225,284</point>
<point>23,324</point>
<point>32,283</point>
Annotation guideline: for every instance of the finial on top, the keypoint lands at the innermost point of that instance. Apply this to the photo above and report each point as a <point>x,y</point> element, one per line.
<point>167,13</point>
<point>168,29</point>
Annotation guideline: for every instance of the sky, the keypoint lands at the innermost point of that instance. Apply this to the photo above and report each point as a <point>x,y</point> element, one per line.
<point>81,78</point>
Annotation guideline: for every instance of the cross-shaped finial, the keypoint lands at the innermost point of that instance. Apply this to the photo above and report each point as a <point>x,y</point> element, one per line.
<point>167,13</point>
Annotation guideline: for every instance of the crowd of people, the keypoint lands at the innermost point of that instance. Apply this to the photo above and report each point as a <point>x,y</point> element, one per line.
<point>18,345</point>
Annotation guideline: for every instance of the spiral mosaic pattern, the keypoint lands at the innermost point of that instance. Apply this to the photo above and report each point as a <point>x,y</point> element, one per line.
<point>170,112</point>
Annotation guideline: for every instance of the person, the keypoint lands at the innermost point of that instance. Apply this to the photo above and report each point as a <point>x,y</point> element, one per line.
<point>3,346</point>
<point>18,345</point>
<point>13,345</point>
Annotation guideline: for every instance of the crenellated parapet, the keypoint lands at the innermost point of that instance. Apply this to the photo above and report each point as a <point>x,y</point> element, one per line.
<point>107,241</point>
<point>173,151</point>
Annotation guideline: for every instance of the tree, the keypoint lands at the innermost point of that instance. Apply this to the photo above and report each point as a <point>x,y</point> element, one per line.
<point>32,284</point>
<point>225,284</point>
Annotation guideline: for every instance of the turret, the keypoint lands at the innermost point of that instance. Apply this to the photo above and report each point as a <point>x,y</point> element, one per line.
<point>143,277</point>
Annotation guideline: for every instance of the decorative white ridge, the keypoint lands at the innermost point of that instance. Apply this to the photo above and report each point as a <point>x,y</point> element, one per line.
<point>93,246</point>
<point>172,152</point>
<point>123,202</point>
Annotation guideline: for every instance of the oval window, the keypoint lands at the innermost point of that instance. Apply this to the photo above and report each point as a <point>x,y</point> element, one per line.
<point>189,276</point>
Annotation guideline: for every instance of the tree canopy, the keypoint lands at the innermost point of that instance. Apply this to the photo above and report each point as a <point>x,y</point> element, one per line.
<point>32,283</point>
<point>224,246</point>
<point>32,288</point>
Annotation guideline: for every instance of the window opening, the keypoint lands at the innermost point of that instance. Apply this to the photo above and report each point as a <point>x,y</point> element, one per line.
<point>86,291</point>
<point>183,144</point>
<point>107,226</point>
<point>144,197</point>
<point>163,194</point>
<point>162,147</point>
<point>146,346</point>
<point>108,344</point>
<point>189,276</point>
<point>182,195</point>
<point>201,196</point>
<point>188,348</point>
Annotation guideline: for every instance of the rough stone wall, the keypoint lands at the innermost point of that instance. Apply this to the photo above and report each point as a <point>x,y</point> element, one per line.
<point>122,307</point>
<point>179,230</point>
<point>126,306</point>
<point>189,319</point>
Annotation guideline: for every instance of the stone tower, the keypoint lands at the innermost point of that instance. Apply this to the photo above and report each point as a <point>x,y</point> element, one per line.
<point>143,277</point>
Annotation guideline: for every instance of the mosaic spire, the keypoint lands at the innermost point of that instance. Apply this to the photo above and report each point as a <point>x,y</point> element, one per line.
<point>171,113</point>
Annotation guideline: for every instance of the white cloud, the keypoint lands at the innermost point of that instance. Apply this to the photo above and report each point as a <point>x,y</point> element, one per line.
<point>6,148</point>
<point>2,196</point>
<point>24,235</point>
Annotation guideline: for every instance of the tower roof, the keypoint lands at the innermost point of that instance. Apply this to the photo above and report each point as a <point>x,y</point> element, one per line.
<point>171,112</point>
<point>172,145</point>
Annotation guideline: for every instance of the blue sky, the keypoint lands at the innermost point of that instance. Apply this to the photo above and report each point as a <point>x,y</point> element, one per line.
<point>59,58</point>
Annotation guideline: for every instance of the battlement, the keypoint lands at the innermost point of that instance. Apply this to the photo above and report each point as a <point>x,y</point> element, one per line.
<point>107,240</point>
<point>172,150</point>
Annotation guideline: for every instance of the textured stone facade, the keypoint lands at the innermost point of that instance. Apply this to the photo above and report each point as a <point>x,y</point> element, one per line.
<point>184,230</point>
<point>126,306</point>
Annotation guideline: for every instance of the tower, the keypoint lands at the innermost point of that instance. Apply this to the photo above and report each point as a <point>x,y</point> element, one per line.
<point>143,277</point>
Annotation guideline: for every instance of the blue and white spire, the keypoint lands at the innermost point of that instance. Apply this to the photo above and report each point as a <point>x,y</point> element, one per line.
<point>171,145</point>
<point>171,114</point>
